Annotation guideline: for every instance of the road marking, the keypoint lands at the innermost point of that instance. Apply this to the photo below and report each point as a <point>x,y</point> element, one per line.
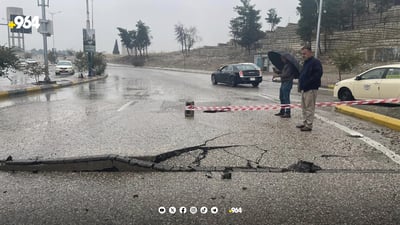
<point>270,97</point>
<point>378,146</point>
<point>124,106</point>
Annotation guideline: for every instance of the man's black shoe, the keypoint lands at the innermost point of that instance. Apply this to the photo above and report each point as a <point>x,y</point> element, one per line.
<point>285,116</point>
<point>279,114</point>
<point>305,129</point>
<point>300,126</point>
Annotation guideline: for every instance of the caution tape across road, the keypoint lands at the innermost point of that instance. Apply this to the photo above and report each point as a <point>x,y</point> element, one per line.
<point>278,106</point>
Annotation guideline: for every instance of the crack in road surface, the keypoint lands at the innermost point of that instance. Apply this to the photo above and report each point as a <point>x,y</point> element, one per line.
<point>164,156</point>
<point>202,155</point>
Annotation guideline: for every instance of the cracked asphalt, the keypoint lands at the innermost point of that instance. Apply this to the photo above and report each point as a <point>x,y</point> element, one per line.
<point>140,113</point>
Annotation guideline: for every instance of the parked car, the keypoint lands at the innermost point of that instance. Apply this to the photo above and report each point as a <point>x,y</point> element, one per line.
<point>31,61</point>
<point>234,74</point>
<point>64,67</point>
<point>377,83</point>
<point>22,63</point>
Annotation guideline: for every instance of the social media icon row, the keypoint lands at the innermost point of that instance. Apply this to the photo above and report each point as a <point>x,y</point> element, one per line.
<point>183,210</point>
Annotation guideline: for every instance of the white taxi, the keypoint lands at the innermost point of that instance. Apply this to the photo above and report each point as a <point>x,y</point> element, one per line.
<point>377,83</point>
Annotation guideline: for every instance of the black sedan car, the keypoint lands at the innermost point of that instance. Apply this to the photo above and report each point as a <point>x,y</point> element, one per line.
<point>234,74</point>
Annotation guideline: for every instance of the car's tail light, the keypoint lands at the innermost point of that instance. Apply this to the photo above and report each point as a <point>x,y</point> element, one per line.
<point>241,73</point>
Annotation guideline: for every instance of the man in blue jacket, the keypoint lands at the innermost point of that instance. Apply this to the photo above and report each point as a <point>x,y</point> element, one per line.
<point>309,82</point>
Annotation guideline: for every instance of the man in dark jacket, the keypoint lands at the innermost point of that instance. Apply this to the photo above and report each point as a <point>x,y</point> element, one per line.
<point>309,82</point>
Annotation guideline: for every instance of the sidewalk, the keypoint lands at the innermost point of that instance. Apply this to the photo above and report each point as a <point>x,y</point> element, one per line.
<point>21,84</point>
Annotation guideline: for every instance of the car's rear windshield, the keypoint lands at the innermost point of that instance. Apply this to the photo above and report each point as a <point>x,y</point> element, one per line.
<point>246,67</point>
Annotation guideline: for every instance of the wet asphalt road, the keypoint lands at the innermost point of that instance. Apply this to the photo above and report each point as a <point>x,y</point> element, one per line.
<point>139,112</point>
<point>134,198</point>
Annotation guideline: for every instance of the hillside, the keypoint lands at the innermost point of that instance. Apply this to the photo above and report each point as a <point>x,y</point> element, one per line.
<point>206,58</point>
<point>211,58</point>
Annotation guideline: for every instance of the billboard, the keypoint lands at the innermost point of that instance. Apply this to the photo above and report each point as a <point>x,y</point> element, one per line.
<point>89,40</point>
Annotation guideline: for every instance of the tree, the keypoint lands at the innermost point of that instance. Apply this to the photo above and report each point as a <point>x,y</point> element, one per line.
<point>273,18</point>
<point>70,52</point>
<point>99,62</point>
<point>81,61</point>
<point>138,40</point>
<point>52,56</point>
<point>126,38</point>
<point>308,20</point>
<point>116,49</point>
<point>191,37</point>
<point>354,8</point>
<point>382,6</point>
<point>35,70</point>
<point>133,46</point>
<point>235,26</point>
<point>180,35</point>
<point>186,37</point>
<point>332,19</point>
<point>142,38</point>
<point>345,60</point>
<point>8,59</point>
<point>247,27</point>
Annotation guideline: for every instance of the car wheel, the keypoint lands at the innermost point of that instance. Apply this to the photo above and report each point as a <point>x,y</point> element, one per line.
<point>345,95</point>
<point>233,82</point>
<point>255,84</point>
<point>214,80</point>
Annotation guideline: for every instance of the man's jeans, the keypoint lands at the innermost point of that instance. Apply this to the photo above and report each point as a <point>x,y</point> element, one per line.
<point>284,95</point>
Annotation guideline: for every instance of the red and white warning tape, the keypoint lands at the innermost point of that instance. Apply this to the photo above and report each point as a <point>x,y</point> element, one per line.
<point>278,106</point>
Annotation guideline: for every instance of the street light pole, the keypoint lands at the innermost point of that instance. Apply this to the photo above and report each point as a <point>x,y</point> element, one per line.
<point>318,29</point>
<point>46,61</point>
<point>90,55</point>
<point>92,16</point>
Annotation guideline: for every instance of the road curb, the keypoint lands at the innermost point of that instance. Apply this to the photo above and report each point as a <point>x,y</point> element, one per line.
<point>376,118</point>
<point>46,87</point>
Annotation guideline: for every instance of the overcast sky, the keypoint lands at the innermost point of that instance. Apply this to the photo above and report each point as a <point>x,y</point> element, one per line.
<point>210,17</point>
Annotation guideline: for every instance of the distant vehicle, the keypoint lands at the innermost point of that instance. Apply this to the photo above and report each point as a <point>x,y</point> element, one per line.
<point>31,61</point>
<point>22,63</point>
<point>64,67</point>
<point>234,74</point>
<point>377,83</point>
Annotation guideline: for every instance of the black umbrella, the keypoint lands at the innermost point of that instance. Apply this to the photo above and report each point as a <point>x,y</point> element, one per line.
<point>275,58</point>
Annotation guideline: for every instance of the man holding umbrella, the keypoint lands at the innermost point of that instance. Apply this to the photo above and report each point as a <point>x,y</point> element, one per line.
<point>288,70</point>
